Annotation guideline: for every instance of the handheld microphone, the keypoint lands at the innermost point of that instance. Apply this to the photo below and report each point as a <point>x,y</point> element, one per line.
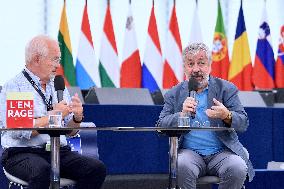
<point>192,88</point>
<point>59,86</point>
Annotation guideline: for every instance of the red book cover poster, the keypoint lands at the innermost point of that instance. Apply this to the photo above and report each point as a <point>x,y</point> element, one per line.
<point>20,110</point>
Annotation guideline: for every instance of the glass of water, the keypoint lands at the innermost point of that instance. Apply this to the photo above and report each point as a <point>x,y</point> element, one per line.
<point>55,118</point>
<point>183,121</point>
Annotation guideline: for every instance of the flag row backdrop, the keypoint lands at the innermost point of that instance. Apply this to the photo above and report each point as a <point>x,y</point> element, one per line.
<point>164,70</point>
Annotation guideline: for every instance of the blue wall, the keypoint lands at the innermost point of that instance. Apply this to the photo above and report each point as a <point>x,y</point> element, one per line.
<point>146,152</point>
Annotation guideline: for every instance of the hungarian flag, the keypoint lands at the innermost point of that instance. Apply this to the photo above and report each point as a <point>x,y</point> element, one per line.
<point>67,68</point>
<point>173,66</point>
<point>87,70</point>
<point>152,68</point>
<point>241,68</point>
<point>279,67</point>
<point>130,73</point>
<point>264,64</point>
<point>108,66</point>
<point>220,57</point>
<point>195,35</point>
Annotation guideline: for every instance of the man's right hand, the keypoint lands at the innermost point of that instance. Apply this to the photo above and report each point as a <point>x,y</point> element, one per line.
<point>63,107</point>
<point>188,106</point>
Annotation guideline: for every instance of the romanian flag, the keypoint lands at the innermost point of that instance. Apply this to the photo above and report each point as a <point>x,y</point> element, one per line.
<point>152,68</point>
<point>67,68</point>
<point>264,64</point>
<point>173,66</point>
<point>108,66</point>
<point>130,72</point>
<point>241,68</point>
<point>87,71</point>
<point>220,57</point>
<point>279,67</point>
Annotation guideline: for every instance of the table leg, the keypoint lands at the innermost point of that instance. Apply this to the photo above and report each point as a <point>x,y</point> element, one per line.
<point>55,158</point>
<point>173,157</point>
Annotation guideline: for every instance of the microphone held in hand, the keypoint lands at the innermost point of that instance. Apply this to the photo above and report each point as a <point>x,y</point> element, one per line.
<point>59,86</point>
<point>192,88</point>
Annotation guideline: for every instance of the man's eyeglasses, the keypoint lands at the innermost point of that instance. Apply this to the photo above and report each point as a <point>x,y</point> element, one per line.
<point>199,64</point>
<point>56,60</point>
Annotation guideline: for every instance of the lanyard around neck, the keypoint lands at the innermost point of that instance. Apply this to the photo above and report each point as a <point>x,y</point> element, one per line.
<point>48,103</point>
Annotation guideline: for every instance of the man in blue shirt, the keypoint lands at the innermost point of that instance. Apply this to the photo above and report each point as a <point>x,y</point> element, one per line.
<point>25,155</point>
<point>216,102</point>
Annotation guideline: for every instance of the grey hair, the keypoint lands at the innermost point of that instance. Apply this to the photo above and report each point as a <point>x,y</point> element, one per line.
<point>37,46</point>
<point>193,48</point>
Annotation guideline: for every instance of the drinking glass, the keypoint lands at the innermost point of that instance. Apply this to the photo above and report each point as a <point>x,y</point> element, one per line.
<point>183,121</point>
<point>55,118</point>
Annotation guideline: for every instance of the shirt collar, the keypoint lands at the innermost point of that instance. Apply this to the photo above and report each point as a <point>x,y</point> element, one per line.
<point>34,77</point>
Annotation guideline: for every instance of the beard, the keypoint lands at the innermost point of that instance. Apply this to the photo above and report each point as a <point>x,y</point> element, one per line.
<point>201,78</point>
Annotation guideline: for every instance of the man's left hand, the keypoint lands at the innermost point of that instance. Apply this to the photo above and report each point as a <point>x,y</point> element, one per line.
<point>217,111</point>
<point>76,107</point>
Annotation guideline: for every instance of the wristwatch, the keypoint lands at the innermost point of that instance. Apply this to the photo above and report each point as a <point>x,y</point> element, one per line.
<point>229,116</point>
<point>76,121</point>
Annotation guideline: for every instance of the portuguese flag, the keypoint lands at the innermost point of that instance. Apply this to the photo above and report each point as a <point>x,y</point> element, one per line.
<point>220,57</point>
<point>67,68</point>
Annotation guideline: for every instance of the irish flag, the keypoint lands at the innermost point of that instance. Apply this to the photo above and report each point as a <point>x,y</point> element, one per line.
<point>87,70</point>
<point>130,73</point>
<point>67,68</point>
<point>108,66</point>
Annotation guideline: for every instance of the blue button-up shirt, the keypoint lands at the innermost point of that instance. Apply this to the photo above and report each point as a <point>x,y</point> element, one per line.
<point>23,138</point>
<point>202,142</point>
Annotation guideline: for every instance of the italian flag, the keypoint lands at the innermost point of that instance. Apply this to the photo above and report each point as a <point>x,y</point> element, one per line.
<point>67,68</point>
<point>108,66</point>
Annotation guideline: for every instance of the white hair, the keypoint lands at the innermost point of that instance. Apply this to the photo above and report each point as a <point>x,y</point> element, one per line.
<point>37,46</point>
<point>194,48</point>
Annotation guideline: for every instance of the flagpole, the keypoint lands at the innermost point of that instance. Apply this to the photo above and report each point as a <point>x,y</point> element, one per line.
<point>45,16</point>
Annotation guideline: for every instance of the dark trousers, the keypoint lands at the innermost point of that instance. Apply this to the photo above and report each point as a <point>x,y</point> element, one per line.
<point>33,166</point>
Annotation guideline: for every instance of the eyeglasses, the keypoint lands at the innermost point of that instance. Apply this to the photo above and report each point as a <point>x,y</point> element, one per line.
<point>199,64</point>
<point>56,59</point>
